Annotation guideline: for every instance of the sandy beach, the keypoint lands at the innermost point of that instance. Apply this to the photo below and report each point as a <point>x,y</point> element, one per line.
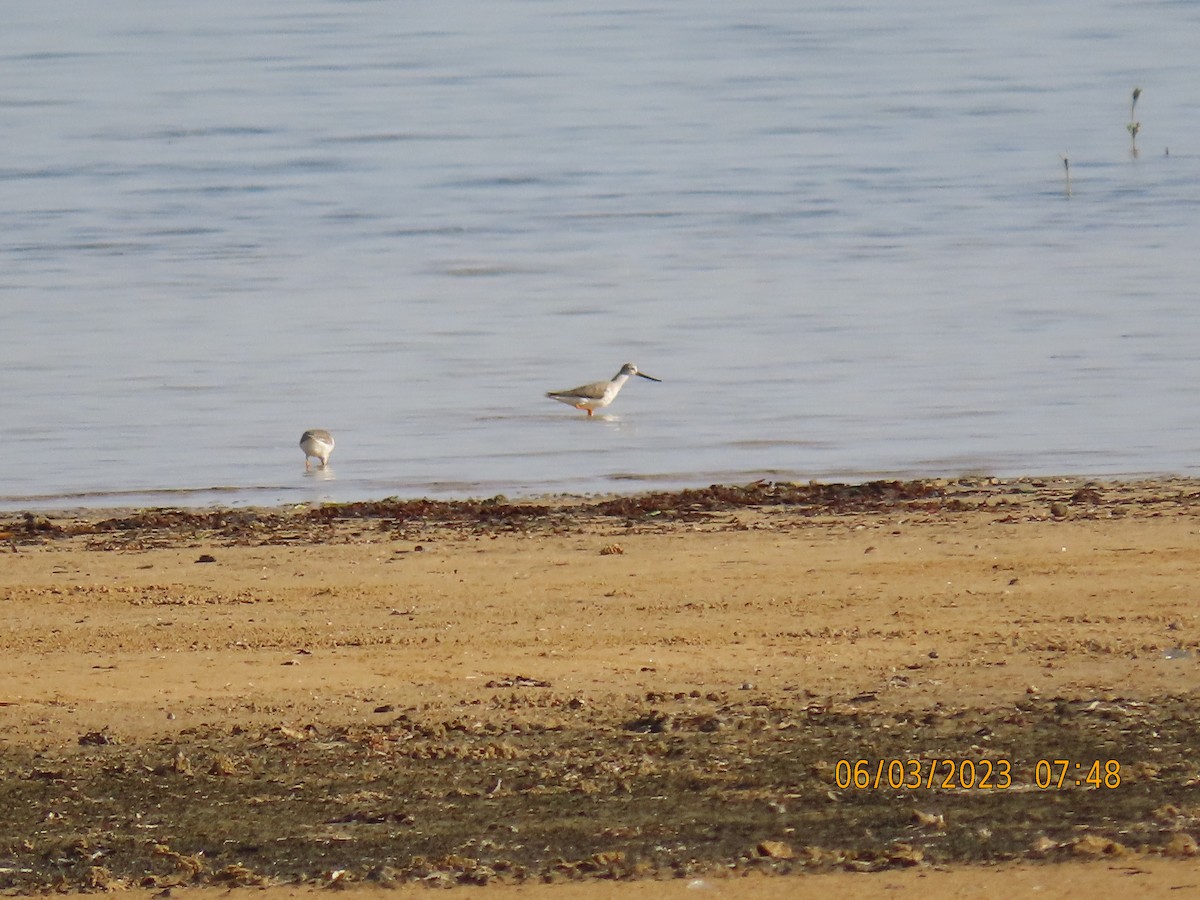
<point>957,688</point>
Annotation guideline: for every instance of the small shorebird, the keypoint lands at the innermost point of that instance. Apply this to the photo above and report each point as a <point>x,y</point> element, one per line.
<point>316,443</point>
<point>597,396</point>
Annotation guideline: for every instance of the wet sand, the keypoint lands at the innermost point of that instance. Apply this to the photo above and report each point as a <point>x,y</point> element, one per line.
<point>956,687</point>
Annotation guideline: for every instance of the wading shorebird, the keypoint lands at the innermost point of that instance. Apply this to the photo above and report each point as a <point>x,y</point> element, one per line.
<point>597,396</point>
<point>316,443</point>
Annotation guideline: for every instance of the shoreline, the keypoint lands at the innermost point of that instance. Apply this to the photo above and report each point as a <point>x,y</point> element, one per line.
<point>1078,493</point>
<point>61,505</point>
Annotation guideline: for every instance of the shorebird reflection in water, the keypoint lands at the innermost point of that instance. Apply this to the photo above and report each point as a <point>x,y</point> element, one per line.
<point>592,397</point>
<point>317,443</point>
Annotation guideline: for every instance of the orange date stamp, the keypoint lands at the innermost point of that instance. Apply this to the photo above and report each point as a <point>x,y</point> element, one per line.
<point>948,774</point>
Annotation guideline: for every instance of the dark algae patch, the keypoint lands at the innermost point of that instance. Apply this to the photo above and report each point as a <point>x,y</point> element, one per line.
<point>523,784</point>
<point>1010,499</point>
<point>495,513</point>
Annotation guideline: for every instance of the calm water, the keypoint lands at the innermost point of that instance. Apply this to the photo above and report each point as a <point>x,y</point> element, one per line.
<point>838,232</point>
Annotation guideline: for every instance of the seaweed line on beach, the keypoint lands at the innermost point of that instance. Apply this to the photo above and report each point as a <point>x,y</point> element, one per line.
<point>1049,498</point>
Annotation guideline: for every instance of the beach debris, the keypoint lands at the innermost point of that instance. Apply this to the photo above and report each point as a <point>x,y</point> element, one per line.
<point>101,738</point>
<point>1168,813</point>
<point>652,722</point>
<point>904,854</point>
<point>101,879</point>
<point>775,850</point>
<point>1182,844</point>
<point>187,865</point>
<point>180,764</point>
<point>237,875</point>
<point>1094,846</point>
<point>612,550</point>
<point>304,734</point>
<point>517,681</point>
<point>164,527</point>
<point>31,524</point>
<point>356,781</point>
<point>206,558</point>
<point>935,821</point>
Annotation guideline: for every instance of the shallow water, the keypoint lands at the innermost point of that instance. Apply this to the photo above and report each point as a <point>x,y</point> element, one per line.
<point>840,235</point>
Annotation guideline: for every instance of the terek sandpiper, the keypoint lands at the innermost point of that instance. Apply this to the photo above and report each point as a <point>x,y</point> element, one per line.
<point>597,396</point>
<point>316,443</point>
